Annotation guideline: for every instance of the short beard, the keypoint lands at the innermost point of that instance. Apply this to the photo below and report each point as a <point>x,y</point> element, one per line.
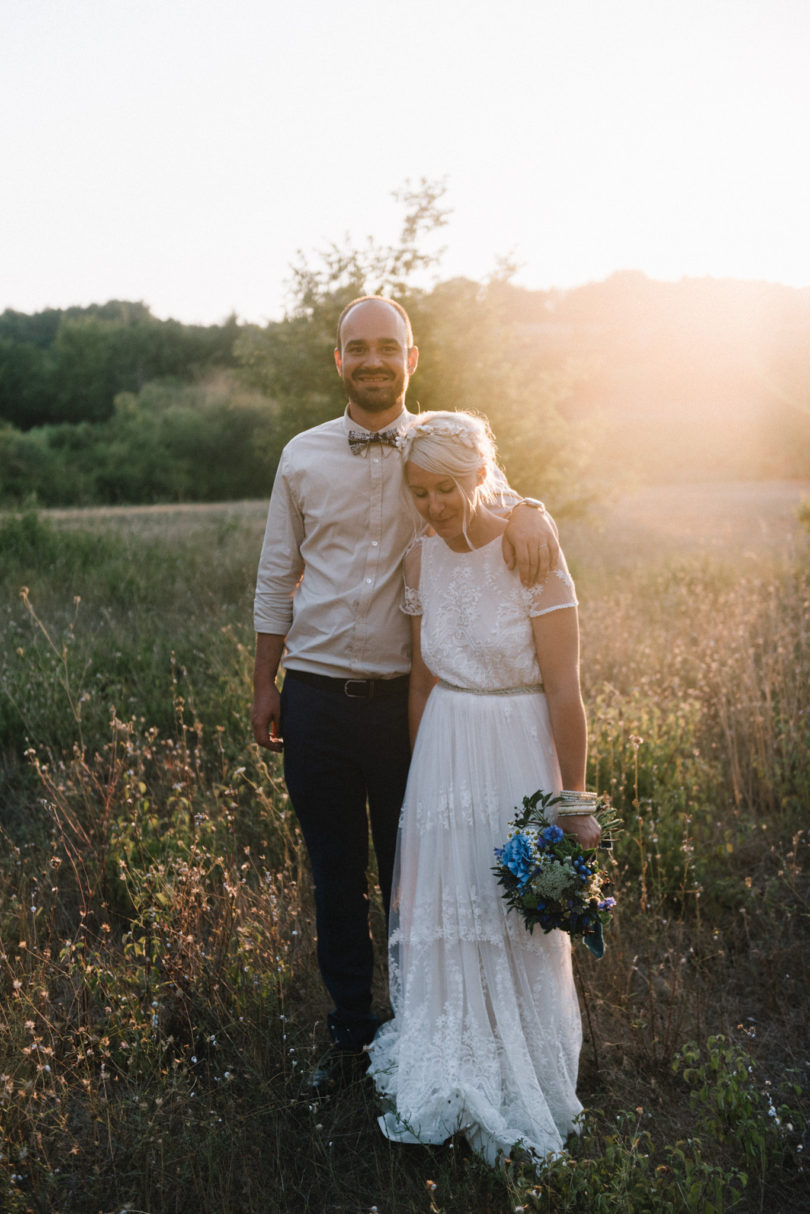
<point>377,400</point>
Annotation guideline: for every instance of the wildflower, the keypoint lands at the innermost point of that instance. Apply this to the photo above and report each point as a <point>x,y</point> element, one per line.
<point>550,879</point>
<point>518,857</point>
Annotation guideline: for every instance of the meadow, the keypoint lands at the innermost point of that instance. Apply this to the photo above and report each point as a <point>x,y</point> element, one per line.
<point>159,1000</point>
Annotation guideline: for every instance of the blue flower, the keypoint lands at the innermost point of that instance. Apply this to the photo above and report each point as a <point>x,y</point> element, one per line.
<point>539,853</point>
<point>518,857</point>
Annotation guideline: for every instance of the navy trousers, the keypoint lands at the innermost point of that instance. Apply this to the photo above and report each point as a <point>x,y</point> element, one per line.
<point>345,764</point>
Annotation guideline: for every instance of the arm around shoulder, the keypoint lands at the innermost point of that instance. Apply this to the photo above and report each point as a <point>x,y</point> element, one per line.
<point>530,541</point>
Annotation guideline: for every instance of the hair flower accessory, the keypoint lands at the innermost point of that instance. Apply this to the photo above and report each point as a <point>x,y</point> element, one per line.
<point>465,431</point>
<point>455,444</point>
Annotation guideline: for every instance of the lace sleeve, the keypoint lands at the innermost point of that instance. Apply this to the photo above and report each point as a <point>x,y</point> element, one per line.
<point>552,594</point>
<point>411,565</point>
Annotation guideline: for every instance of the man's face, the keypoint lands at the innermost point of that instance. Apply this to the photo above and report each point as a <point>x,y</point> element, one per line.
<point>374,360</point>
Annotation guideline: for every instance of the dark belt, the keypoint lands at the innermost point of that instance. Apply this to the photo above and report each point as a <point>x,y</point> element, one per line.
<point>354,689</point>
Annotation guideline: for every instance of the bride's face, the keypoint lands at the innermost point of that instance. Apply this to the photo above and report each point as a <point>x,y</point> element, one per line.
<point>443,501</point>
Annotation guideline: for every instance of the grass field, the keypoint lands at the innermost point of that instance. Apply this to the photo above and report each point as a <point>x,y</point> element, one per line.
<point>159,999</point>
<point>729,519</point>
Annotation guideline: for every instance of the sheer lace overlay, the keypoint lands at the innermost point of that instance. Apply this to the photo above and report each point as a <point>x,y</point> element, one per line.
<point>486,1034</point>
<point>478,631</point>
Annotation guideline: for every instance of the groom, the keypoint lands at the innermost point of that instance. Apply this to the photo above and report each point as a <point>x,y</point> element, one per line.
<point>328,591</point>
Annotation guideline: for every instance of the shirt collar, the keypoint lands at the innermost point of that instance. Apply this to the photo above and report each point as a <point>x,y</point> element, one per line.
<point>397,424</point>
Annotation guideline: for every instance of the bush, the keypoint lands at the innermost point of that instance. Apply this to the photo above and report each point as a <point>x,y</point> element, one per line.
<point>168,443</point>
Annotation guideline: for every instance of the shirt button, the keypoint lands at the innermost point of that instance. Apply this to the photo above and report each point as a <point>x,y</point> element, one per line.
<point>368,581</point>
<point>375,543</point>
<point>376,459</point>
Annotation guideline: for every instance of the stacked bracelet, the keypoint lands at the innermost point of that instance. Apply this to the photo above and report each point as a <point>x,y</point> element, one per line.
<point>576,804</point>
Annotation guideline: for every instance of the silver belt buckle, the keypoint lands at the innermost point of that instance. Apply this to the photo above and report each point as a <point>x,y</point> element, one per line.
<point>367,694</point>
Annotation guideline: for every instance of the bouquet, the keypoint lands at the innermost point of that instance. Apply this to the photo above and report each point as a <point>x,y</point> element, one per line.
<point>550,879</point>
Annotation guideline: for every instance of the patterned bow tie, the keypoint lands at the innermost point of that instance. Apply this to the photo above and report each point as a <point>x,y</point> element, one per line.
<point>360,440</point>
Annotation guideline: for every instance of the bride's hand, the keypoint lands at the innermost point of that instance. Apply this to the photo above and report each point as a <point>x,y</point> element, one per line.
<point>584,826</point>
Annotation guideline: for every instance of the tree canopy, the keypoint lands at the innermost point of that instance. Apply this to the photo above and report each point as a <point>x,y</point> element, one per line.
<point>661,381</point>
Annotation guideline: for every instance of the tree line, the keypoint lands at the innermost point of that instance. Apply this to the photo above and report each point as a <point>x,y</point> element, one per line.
<point>664,381</point>
<point>68,365</point>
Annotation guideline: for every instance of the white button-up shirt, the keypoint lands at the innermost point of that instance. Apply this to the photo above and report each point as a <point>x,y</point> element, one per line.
<point>330,573</point>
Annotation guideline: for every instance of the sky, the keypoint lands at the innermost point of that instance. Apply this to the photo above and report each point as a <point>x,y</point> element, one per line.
<point>182,152</point>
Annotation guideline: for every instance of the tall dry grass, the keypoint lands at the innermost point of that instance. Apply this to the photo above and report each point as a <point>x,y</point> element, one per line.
<point>160,1000</point>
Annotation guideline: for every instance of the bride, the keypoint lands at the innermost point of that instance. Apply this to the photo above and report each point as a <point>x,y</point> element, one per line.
<point>486,1032</point>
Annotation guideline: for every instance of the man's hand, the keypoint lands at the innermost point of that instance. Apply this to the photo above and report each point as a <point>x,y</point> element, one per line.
<point>530,542</point>
<point>266,715</point>
<point>266,718</point>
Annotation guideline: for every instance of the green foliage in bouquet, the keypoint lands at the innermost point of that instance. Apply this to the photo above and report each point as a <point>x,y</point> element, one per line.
<point>550,879</point>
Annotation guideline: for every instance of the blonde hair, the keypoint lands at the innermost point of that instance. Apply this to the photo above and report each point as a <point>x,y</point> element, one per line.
<point>454,445</point>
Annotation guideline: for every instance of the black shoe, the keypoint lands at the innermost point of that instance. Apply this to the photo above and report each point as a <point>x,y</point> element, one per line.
<point>337,1070</point>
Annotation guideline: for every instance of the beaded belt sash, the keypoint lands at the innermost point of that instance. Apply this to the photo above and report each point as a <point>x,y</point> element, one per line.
<point>528,689</point>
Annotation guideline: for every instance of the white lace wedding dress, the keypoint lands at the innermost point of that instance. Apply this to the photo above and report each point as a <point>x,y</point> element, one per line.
<point>486,1032</point>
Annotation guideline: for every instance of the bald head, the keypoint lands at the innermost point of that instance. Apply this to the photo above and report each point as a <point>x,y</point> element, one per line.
<point>364,299</point>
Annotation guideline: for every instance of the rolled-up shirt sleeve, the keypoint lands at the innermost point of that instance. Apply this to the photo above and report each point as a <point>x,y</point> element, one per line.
<point>281,563</point>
